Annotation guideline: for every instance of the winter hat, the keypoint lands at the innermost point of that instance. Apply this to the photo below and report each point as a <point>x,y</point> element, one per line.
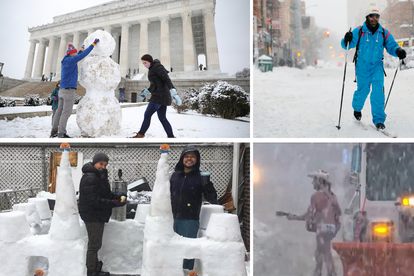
<point>100,156</point>
<point>320,174</point>
<point>372,9</point>
<point>147,58</point>
<point>71,49</point>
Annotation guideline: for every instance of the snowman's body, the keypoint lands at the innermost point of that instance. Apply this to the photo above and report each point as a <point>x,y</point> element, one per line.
<point>99,113</point>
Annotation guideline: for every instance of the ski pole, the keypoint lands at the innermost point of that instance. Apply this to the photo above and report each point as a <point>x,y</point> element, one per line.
<point>389,93</point>
<point>343,86</point>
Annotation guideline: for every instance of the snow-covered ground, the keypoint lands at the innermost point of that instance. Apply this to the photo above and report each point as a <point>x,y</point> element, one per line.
<point>294,103</point>
<point>187,125</point>
<point>282,247</point>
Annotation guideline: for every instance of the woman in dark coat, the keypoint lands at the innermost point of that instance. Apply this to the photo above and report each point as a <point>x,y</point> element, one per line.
<point>161,90</point>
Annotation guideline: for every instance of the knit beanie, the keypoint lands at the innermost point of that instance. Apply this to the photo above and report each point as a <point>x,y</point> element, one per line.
<point>372,9</point>
<point>100,156</point>
<point>71,49</point>
<point>147,58</point>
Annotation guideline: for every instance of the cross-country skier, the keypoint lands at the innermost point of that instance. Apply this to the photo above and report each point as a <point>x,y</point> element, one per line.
<point>370,39</point>
<point>323,218</point>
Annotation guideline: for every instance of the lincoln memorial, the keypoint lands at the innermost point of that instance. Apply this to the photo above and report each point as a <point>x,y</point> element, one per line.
<point>176,32</point>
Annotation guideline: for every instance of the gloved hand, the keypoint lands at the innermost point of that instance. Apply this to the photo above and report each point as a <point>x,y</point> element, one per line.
<point>117,203</point>
<point>401,53</point>
<point>96,40</point>
<point>290,216</point>
<point>54,98</point>
<point>82,48</point>
<point>348,38</point>
<point>175,96</point>
<point>143,94</point>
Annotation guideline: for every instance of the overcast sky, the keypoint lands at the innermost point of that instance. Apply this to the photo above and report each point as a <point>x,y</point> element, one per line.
<point>329,14</point>
<point>232,26</point>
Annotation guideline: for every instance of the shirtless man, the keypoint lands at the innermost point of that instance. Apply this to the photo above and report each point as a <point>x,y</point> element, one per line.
<point>322,217</point>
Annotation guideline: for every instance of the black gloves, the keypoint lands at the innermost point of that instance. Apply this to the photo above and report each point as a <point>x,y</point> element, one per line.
<point>400,53</point>
<point>348,38</point>
<point>117,203</point>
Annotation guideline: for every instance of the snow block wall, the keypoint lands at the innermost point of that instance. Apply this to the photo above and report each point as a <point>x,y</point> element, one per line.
<point>99,113</point>
<point>61,252</point>
<point>164,250</point>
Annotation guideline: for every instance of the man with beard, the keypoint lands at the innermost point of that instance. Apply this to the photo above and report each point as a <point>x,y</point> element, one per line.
<point>370,39</point>
<point>187,188</point>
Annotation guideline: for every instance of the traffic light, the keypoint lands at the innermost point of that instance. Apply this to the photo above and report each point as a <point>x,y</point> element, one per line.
<point>327,34</point>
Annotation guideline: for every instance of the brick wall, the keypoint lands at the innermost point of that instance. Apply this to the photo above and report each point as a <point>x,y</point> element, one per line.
<point>246,216</point>
<point>396,14</point>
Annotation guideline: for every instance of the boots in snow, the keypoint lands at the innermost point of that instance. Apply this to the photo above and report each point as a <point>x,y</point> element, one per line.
<point>380,126</point>
<point>358,115</point>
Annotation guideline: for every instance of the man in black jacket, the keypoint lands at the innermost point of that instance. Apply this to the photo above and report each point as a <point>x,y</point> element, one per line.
<point>187,189</point>
<point>95,208</point>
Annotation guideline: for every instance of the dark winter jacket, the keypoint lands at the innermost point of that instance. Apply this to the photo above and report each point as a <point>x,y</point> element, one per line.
<point>69,74</point>
<point>95,196</point>
<point>187,189</point>
<point>55,93</point>
<point>160,83</point>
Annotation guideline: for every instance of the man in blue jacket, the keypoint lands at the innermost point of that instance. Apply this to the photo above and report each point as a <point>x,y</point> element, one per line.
<point>371,39</point>
<point>187,188</point>
<point>68,85</point>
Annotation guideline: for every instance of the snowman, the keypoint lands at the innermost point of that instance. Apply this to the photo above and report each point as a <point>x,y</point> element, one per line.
<point>99,113</point>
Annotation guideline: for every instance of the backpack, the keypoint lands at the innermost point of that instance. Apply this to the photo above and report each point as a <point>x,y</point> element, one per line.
<point>357,46</point>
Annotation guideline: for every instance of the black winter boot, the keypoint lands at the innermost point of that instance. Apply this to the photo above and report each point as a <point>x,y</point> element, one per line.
<point>380,126</point>
<point>99,271</point>
<point>358,115</point>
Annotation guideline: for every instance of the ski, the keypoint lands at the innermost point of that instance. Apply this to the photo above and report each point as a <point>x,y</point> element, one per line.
<point>386,133</point>
<point>361,124</point>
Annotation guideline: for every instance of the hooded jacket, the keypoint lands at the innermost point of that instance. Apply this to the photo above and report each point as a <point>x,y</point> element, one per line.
<point>95,196</point>
<point>187,189</point>
<point>160,83</point>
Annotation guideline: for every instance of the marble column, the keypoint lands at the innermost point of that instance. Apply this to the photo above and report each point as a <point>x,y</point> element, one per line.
<point>165,42</point>
<point>212,56</point>
<point>40,59</point>
<point>76,36</point>
<point>108,28</point>
<point>115,54</point>
<point>188,42</point>
<point>30,59</point>
<point>123,60</point>
<point>143,43</point>
<point>49,59</point>
<point>62,52</point>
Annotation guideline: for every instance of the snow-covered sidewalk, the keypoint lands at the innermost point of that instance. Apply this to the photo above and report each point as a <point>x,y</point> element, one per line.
<point>187,125</point>
<point>294,103</point>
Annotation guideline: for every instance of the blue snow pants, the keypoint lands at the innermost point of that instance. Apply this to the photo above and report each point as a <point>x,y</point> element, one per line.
<point>187,228</point>
<point>370,74</point>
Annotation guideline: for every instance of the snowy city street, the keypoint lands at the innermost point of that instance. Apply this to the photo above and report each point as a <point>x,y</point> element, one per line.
<point>294,103</point>
<point>187,125</point>
<point>283,247</point>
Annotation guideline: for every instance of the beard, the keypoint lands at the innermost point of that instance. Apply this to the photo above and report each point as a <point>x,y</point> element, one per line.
<point>189,167</point>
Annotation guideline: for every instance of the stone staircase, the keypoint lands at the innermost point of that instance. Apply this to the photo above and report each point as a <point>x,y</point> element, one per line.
<point>43,89</point>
